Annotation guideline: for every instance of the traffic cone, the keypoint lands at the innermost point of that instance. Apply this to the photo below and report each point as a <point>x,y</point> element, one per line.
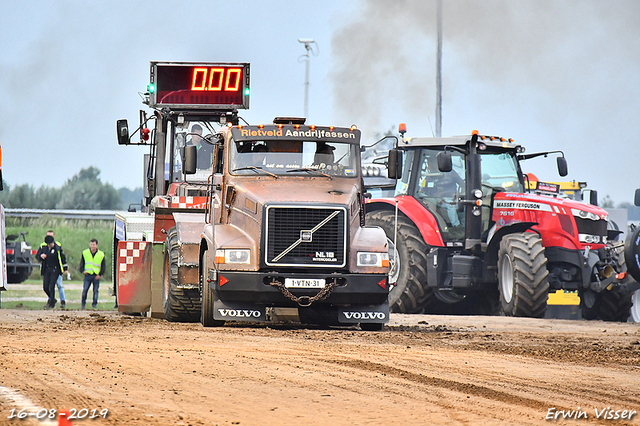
<point>63,419</point>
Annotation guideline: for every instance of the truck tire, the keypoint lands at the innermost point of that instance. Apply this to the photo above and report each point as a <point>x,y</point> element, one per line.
<point>179,305</point>
<point>477,302</point>
<point>522,275</point>
<point>632,253</point>
<point>608,305</point>
<point>371,326</point>
<point>483,302</point>
<point>20,276</point>
<point>635,308</point>
<point>319,316</point>
<point>409,271</point>
<point>206,310</point>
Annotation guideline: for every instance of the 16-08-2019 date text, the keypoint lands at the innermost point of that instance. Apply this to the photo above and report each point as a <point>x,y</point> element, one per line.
<point>70,414</point>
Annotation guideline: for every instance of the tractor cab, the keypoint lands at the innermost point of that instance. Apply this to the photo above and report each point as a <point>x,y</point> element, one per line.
<point>455,180</point>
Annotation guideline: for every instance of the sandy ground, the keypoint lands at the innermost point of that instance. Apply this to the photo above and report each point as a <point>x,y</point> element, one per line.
<point>419,370</point>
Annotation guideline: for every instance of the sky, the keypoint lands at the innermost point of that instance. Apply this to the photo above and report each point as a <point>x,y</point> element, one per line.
<point>552,75</point>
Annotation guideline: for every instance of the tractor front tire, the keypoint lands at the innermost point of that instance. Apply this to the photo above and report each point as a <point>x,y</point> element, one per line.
<point>522,275</point>
<point>409,268</point>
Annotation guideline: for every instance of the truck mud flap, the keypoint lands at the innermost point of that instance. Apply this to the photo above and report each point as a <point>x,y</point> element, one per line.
<point>360,314</point>
<point>238,311</point>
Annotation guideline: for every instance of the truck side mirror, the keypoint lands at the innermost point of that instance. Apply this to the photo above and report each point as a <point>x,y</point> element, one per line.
<point>636,199</point>
<point>122,127</point>
<point>190,159</point>
<point>444,161</point>
<point>394,167</point>
<point>593,197</point>
<point>562,166</point>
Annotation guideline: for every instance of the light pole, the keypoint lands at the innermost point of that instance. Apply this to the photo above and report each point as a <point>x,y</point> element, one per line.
<point>438,72</point>
<point>307,45</point>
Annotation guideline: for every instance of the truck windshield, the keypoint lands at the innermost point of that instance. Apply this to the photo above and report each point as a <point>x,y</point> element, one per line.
<point>287,157</point>
<point>500,172</point>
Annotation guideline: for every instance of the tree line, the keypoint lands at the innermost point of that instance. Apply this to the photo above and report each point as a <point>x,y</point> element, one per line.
<point>84,191</point>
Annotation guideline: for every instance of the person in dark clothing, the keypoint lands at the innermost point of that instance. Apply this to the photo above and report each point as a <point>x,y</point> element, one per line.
<point>59,284</point>
<point>205,150</point>
<point>53,264</point>
<point>93,264</point>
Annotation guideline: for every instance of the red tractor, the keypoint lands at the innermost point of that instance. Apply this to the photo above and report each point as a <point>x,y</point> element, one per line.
<point>462,230</point>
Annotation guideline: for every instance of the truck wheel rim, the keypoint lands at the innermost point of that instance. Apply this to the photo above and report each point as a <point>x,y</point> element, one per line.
<point>635,308</point>
<point>506,279</point>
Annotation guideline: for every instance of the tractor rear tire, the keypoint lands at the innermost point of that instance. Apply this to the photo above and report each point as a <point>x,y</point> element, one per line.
<point>608,305</point>
<point>522,275</point>
<point>180,305</point>
<point>409,271</point>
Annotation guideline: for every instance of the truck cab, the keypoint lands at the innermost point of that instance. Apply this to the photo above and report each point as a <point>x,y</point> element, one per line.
<point>285,229</point>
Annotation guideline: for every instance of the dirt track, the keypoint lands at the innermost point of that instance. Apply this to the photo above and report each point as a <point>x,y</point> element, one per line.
<point>419,370</point>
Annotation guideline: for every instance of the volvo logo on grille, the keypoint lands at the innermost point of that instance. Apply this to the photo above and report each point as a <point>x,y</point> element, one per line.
<point>306,236</point>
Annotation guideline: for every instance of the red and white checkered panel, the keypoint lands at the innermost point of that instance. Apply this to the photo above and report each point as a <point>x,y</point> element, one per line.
<point>183,202</point>
<point>130,252</point>
<point>134,276</point>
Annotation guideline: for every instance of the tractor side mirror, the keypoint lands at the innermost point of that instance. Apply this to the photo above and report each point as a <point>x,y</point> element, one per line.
<point>593,197</point>
<point>394,167</point>
<point>562,166</point>
<point>122,127</point>
<point>444,161</point>
<point>636,199</point>
<point>190,159</point>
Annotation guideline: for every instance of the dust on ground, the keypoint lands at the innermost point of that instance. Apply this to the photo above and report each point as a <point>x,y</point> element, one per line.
<point>419,370</point>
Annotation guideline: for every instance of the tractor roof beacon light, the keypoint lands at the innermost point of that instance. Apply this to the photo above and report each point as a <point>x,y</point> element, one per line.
<point>402,129</point>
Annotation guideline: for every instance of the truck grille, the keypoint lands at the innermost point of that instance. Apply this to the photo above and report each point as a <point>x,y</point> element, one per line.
<point>307,236</point>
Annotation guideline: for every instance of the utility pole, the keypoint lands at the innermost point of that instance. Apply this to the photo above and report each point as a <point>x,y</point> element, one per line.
<point>307,45</point>
<point>438,72</point>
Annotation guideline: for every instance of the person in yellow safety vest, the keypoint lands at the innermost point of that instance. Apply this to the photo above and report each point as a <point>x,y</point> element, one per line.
<point>93,265</point>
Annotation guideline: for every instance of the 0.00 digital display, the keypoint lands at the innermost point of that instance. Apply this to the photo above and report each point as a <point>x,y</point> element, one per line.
<point>216,85</point>
<point>216,79</point>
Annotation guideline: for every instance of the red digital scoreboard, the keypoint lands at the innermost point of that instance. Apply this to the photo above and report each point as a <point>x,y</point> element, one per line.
<point>190,85</point>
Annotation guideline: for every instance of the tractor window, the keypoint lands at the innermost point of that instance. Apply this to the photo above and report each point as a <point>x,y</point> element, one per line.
<point>440,191</point>
<point>201,135</point>
<point>402,186</point>
<point>500,172</point>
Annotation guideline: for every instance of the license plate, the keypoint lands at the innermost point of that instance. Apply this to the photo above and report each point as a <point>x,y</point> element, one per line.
<point>304,283</point>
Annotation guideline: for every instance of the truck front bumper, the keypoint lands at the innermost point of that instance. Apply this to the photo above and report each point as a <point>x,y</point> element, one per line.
<point>258,288</point>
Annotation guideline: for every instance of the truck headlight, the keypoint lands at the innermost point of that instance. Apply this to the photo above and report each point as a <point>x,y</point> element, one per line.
<point>380,260</point>
<point>233,256</point>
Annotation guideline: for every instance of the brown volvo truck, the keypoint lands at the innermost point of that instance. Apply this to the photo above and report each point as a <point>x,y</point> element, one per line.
<point>285,229</point>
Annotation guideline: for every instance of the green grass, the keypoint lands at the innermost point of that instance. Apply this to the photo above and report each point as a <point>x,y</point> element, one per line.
<point>74,235</point>
<point>29,295</point>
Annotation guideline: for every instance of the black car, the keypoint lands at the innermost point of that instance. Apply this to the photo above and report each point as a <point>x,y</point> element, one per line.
<point>20,261</point>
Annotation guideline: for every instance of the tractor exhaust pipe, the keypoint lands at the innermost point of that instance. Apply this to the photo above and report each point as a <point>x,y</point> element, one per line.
<point>605,271</point>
